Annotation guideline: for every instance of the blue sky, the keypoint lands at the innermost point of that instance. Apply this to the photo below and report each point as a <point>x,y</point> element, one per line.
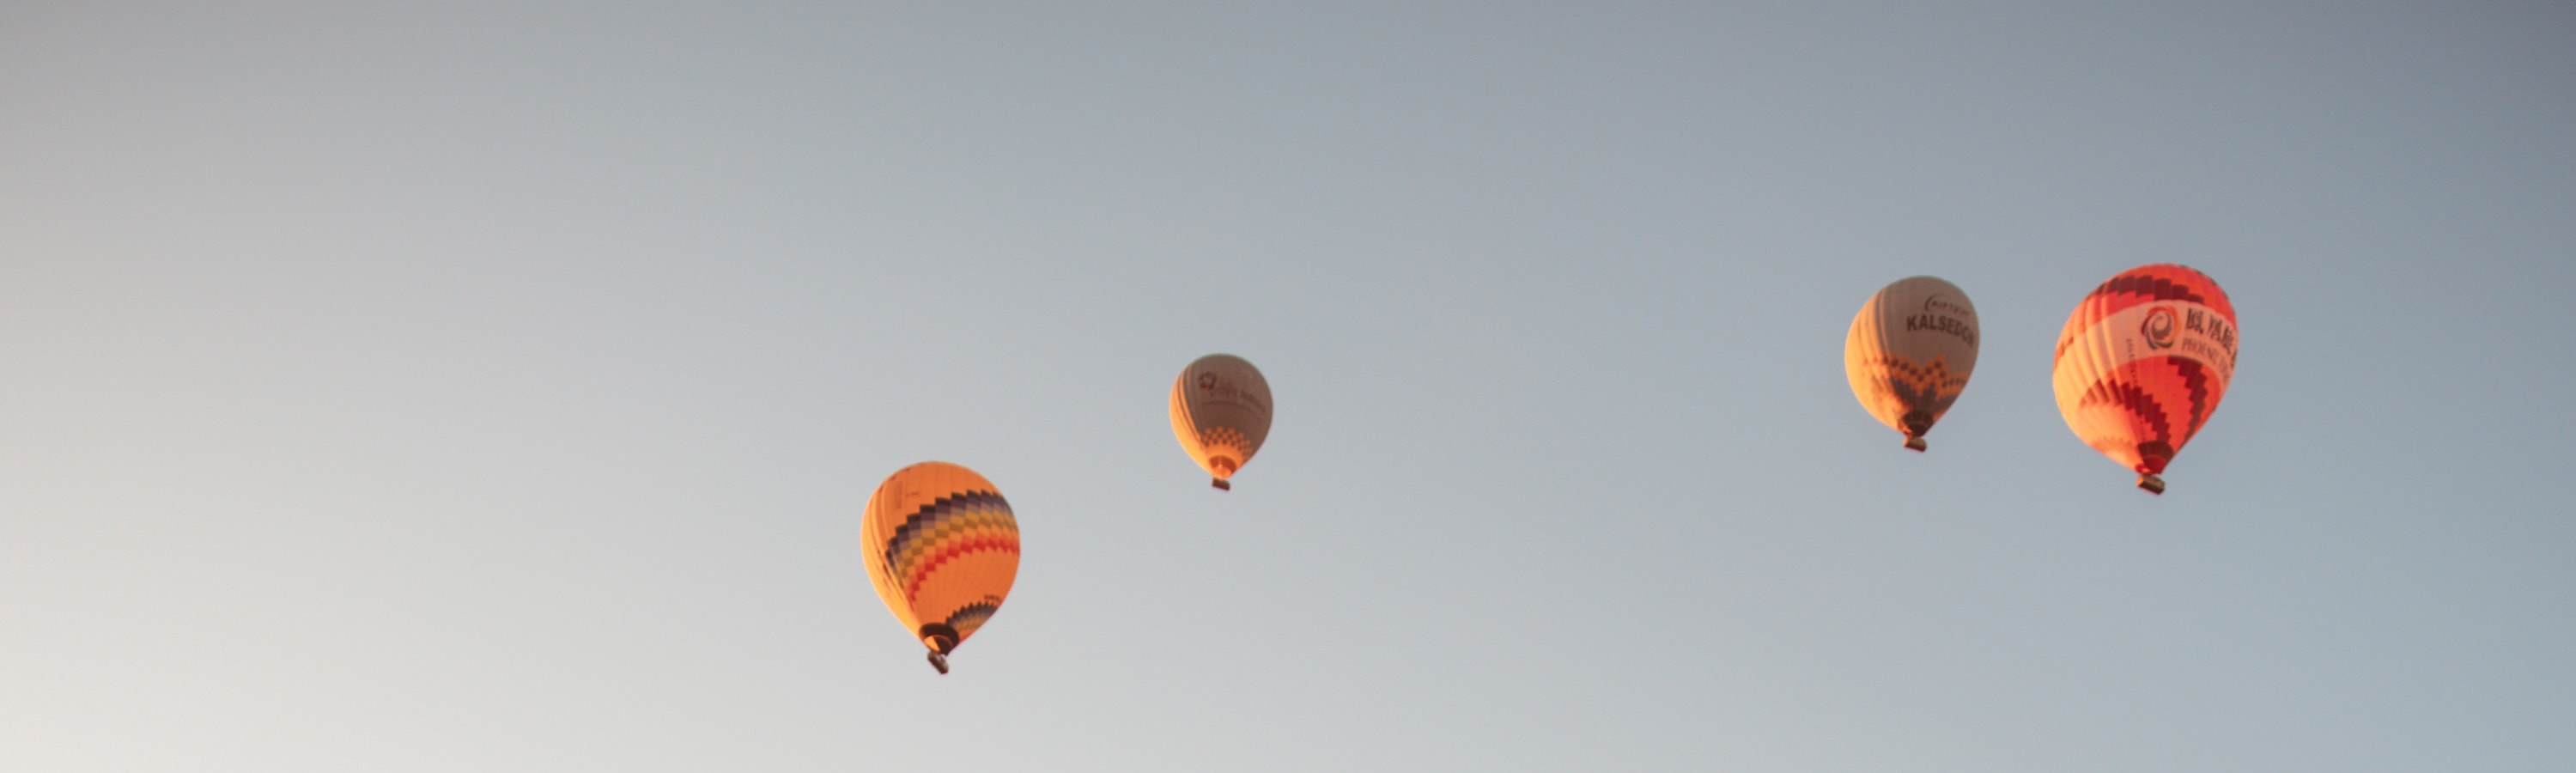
<point>497,387</point>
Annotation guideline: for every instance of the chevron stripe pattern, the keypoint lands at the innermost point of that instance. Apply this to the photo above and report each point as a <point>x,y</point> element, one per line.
<point>1898,386</point>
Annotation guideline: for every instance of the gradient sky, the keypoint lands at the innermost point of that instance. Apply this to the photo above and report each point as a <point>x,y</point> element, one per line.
<point>491,386</point>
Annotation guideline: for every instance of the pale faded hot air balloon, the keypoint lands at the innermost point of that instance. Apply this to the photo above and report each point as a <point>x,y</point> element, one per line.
<point>1221,413</point>
<point>2143,362</point>
<point>1909,353</point>
<point>942,551</point>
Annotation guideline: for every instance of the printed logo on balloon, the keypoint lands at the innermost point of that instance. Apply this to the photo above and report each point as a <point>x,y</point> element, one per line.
<point>2159,327</point>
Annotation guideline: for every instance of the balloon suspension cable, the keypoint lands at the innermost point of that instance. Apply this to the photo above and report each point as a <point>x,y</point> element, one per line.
<point>940,662</point>
<point>1221,484</point>
<point>2153,484</point>
<point>1916,442</point>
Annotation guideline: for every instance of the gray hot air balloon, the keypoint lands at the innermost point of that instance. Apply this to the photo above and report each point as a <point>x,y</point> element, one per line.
<point>1221,413</point>
<point>1909,353</point>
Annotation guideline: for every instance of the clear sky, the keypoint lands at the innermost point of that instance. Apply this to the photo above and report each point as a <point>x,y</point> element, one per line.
<point>496,386</point>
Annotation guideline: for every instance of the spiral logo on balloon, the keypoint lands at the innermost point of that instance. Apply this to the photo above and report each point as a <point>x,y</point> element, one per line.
<point>2159,327</point>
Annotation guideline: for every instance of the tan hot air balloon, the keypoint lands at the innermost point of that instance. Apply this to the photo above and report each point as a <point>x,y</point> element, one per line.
<point>942,551</point>
<point>1221,413</point>
<point>2143,362</point>
<point>1910,352</point>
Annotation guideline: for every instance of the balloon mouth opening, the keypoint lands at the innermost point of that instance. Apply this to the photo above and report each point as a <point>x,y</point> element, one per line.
<point>939,637</point>
<point>2152,456</point>
<point>1916,423</point>
<point>1223,466</point>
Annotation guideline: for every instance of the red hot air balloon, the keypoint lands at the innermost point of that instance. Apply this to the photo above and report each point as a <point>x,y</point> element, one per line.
<point>2142,364</point>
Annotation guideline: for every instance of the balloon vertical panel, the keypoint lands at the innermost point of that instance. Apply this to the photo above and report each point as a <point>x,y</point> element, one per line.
<point>2142,364</point>
<point>1910,352</point>
<point>1221,414</point>
<point>942,549</point>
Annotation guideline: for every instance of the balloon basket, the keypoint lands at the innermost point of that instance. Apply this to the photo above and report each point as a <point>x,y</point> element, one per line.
<point>940,662</point>
<point>2153,484</point>
<point>1916,442</point>
<point>1221,484</point>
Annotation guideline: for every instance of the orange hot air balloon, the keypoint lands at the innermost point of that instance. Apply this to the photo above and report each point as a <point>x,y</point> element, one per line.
<point>942,551</point>
<point>1910,352</point>
<point>1221,413</point>
<point>2143,362</point>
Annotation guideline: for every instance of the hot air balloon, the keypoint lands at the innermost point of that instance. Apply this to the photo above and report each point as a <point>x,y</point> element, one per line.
<point>2143,362</point>
<point>1910,352</point>
<point>1221,413</point>
<point>942,551</point>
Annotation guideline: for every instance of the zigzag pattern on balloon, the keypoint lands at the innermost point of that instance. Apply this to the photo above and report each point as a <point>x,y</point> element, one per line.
<point>2146,412</point>
<point>945,529</point>
<point>1227,438</point>
<point>2195,378</point>
<point>2156,428</point>
<point>2123,389</point>
<point>954,549</point>
<point>971,617</point>
<point>1919,386</point>
<point>2151,286</point>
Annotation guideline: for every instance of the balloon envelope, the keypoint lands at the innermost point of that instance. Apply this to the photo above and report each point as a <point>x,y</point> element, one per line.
<point>1909,353</point>
<point>1221,413</point>
<point>942,551</point>
<point>2143,362</point>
